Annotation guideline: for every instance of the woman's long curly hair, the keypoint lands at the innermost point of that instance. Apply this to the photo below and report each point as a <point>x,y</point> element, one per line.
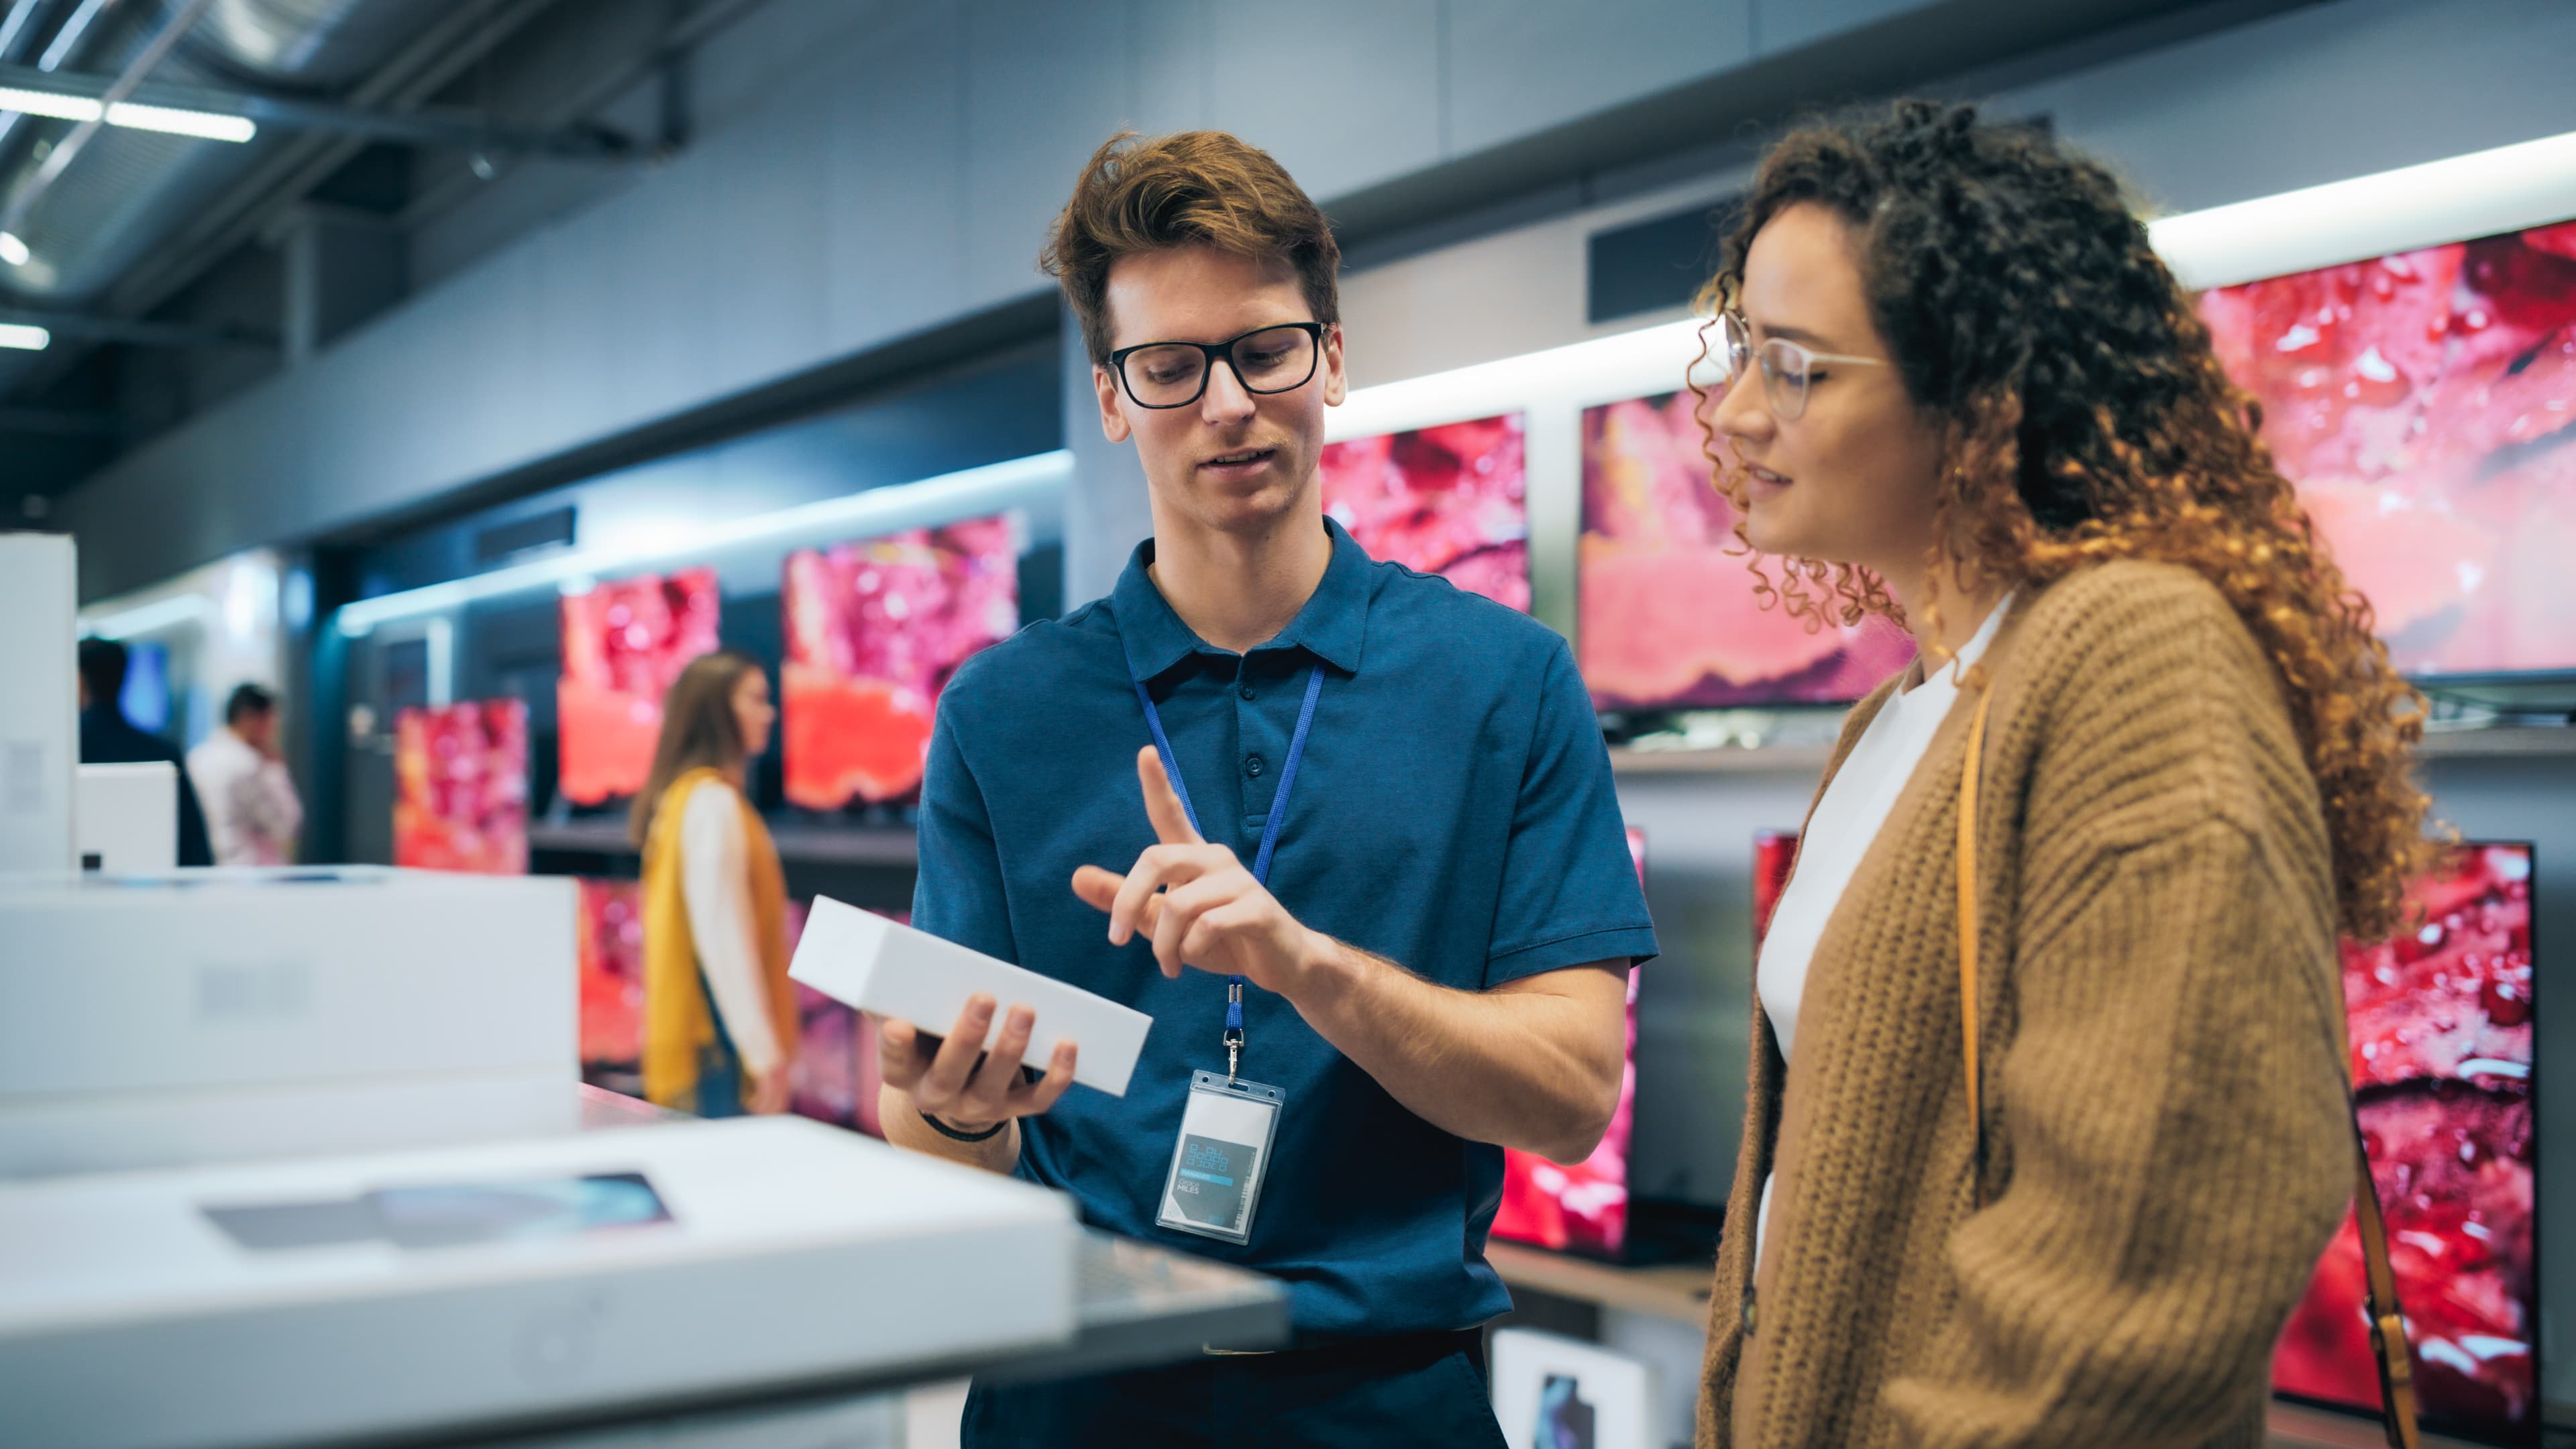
<point>2087,419</point>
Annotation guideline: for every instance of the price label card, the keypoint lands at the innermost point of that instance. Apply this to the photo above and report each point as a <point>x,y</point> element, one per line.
<point>1222,1156</point>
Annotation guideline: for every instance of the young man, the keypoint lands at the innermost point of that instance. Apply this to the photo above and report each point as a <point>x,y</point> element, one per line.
<point>252,812</point>
<point>1393,825</point>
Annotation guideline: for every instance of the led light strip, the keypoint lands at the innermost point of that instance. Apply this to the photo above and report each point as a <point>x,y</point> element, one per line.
<point>207,125</point>
<point>973,491</point>
<point>146,618</point>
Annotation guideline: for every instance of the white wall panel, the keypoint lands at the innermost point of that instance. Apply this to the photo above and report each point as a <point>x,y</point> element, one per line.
<point>1780,25</point>
<point>895,182</point>
<point>769,235</point>
<point>1168,73</point>
<point>1519,66</point>
<point>1345,93</point>
<point>1046,83</point>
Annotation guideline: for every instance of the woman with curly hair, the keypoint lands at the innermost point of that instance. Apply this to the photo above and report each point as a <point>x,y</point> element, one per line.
<point>1953,384</point>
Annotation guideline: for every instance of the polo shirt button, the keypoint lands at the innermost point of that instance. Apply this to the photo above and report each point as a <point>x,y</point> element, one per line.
<point>1252,766</point>
<point>1247,691</point>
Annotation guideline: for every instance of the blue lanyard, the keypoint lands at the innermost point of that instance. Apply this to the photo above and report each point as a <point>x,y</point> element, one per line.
<point>1269,828</point>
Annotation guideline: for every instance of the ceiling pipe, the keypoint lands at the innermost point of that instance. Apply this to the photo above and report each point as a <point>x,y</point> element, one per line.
<point>69,149</point>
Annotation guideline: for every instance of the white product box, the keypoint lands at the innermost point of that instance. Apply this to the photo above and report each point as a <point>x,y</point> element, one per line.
<point>39,702</point>
<point>126,817</point>
<point>210,1015</point>
<point>423,1294</point>
<point>893,970</point>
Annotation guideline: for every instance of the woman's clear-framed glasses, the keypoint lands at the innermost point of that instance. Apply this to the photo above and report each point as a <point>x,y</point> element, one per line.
<point>1279,358</point>
<point>1788,370</point>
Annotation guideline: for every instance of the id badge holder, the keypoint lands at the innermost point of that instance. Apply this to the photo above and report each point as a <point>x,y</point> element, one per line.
<point>1221,1158</point>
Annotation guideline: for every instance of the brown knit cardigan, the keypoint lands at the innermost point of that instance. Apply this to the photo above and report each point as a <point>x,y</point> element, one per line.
<point>2167,1139</point>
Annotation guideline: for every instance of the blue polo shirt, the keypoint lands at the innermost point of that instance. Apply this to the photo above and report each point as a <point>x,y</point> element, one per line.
<point>1454,813</point>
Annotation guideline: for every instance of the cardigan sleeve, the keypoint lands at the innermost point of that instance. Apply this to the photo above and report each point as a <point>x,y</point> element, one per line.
<point>2172,1136</point>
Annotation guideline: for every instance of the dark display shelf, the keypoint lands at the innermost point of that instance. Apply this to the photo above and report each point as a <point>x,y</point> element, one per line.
<point>880,845</point>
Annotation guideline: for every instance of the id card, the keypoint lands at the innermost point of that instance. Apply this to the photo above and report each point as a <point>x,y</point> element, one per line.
<point>1221,1158</point>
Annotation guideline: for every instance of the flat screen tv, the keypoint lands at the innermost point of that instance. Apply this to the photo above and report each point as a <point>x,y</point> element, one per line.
<point>2441,1031</point>
<point>836,1077</point>
<point>1668,615</point>
<point>2425,405</point>
<point>461,787</point>
<point>1582,1208</point>
<point>874,630</point>
<point>623,645</point>
<point>610,951</point>
<point>1451,500</point>
<point>1774,851</point>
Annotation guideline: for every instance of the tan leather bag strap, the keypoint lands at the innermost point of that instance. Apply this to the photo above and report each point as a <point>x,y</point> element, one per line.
<point>2387,1325</point>
<point>1968,941</point>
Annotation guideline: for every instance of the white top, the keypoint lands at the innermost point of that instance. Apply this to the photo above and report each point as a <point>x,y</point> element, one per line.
<point>252,813</point>
<point>715,881</point>
<point>1838,834</point>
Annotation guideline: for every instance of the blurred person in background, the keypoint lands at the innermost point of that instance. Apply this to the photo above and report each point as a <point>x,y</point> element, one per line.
<point>107,737</point>
<point>720,1026</point>
<point>1956,386</point>
<point>252,812</point>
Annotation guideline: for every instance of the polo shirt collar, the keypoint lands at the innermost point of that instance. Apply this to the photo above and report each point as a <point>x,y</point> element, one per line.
<point>1332,626</point>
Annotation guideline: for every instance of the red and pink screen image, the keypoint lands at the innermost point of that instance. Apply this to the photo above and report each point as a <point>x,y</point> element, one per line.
<point>1583,1208</point>
<point>1774,851</point>
<point>623,645</point>
<point>874,631</point>
<point>610,950</point>
<point>836,1077</point>
<point>2425,404</point>
<point>461,787</point>
<point>2442,1054</point>
<point>1669,614</point>
<point>1451,500</point>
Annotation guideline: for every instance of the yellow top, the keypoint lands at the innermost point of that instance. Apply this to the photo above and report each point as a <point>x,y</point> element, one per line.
<point>677,1024</point>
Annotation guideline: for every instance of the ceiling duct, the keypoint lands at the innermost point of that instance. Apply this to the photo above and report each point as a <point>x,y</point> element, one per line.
<point>129,188</point>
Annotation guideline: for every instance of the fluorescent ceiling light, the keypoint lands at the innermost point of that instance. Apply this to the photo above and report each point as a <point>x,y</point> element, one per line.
<point>70,35</point>
<point>12,250</point>
<point>967,494</point>
<point>25,339</point>
<point>48,103</point>
<point>209,125</point>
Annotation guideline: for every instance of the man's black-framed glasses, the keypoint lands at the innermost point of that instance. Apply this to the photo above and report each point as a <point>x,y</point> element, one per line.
<point>1277,358</point>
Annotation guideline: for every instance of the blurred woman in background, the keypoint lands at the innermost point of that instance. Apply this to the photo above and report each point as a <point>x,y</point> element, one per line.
<point>719,1019</point>
<point>1954,385</point>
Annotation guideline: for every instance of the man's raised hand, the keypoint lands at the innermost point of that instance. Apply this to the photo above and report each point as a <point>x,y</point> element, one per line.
<point>1197,902</point>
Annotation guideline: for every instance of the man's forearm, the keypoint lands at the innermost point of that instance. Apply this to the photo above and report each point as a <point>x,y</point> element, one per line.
<point>904,1128</point>
<point>1536,1065</point>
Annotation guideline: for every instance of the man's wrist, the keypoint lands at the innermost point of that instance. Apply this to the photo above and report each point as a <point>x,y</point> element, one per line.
<point>1328,974</point>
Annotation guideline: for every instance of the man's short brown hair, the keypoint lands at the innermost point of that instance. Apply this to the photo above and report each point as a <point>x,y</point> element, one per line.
<point>1141,194</point>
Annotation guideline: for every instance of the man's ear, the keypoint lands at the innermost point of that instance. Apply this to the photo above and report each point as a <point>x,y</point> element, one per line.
<point>1113,419</point>
<point>1337,383</point>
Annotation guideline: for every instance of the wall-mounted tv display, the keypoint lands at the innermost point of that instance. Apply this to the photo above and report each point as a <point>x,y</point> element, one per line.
<point>874,630</point>
<point>623,645</point>
<point>2441,1029</point>
<point>1774,851</point>
<point>836,1077</point>
<point>1669,616</point>
<point>1451,500</point>
<point>2425,405</point>
<point>610,952</point>
<point>461,787</point>
<point>1582,1208</point>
